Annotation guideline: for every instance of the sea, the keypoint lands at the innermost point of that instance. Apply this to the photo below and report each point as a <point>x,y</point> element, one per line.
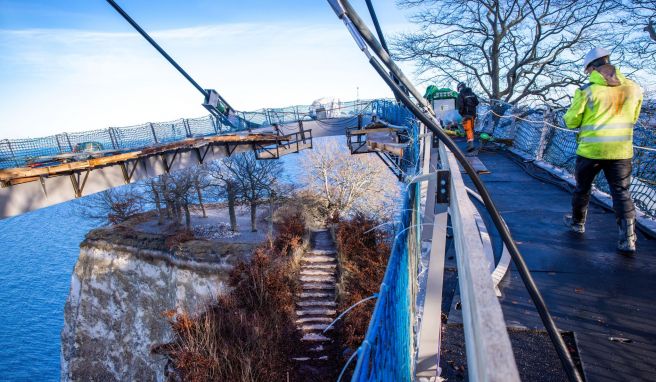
<point>38,251</point>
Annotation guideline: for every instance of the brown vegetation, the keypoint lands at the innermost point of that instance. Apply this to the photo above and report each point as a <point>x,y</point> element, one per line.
<point>249,334</point>
<point>363,254</point>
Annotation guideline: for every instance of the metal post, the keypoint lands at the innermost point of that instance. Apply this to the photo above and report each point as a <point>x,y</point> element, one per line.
<point>153,131</point>
<point>185,122</point>
<point>13,155</point>
<point>112,138</point>
<point>69,141</point>
<point>301,130</point>
<point>545,134</point>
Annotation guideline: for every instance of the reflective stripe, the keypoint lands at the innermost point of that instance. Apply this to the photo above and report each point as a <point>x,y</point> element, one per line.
<point>622,138</point>
<point>608,126</point>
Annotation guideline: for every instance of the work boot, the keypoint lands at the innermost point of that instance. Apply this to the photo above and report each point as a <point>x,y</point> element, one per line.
<point>576,221</point>
<point>470,146</point>
<point>627,237</point>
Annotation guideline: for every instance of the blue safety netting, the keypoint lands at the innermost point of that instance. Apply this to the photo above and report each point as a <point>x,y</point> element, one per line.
<point>28,151</point>
<point>541,134</point>
<point>386,353</point>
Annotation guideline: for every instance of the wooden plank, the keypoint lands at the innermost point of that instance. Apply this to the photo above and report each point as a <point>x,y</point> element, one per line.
<point>478,165</point>
<point>114,158</point>
<point>393,148</point>
<point>489,354</point>
<point>374,130</point>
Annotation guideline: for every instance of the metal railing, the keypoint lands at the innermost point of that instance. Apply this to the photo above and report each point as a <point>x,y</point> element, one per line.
<point>20,152</point>
<point>540,134</point>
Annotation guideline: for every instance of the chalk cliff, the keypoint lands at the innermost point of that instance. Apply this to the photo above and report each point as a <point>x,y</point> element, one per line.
<point>119,292</point>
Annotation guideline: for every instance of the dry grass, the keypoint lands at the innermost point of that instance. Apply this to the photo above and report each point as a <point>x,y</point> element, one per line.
<point>363,260</point>
<point>249,334</point>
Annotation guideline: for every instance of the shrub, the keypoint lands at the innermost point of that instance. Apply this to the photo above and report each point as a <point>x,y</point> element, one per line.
<point>363,253</point>
<point>179,237</point>
<point>249,334</point>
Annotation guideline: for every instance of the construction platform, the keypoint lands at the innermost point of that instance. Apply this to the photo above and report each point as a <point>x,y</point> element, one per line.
<point>604,299</point>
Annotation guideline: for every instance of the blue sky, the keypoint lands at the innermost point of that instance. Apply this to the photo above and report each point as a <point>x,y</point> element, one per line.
<point>71,65</point>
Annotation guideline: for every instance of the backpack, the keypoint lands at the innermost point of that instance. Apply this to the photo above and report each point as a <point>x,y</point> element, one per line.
<point>471,101</point>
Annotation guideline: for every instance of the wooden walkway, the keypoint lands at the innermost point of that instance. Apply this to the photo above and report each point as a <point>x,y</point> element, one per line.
<point>606,300</point>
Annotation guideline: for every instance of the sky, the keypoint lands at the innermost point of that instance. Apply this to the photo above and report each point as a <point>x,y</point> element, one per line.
<point>74,65</point>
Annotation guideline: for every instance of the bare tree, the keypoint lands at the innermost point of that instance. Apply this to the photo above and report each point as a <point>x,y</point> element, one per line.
<point>180,191</point>
<point>511,50</point>
<point>254,179</point>
<point>349,183</point>
<point>200,180</point>
<point>642,42</point>
<point>226,186</point>
<point>153,193</point>
<point>114,205</point>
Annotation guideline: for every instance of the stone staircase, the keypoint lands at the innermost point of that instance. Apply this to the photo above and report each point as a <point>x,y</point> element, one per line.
<point>316,307</point>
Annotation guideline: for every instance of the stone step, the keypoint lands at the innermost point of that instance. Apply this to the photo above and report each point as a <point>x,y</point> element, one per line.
<point>315,319</point>
<point>309,359</point>
<point>316,312</point>
<point>326,303</point>
<point>305,295</point>
<point>317,286</point>
<point>317,272</point>
<point>319,266</point>
<point>318,279</point>
<point>315,327</point>
<point>328,251</point>
<point>317,348</point>
<point>318,259</point>
<point>314,337</point>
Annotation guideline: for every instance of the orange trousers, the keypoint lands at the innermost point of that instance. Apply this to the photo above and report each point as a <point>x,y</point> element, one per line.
<point>468,125</point>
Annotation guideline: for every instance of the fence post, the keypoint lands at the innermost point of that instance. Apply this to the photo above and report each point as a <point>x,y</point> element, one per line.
<point>152,129</point>
<point>544,134</point>
<point>185,122</point>
<point>59,146</point>
<point>68,140</point>
<point>13,155</point>
<point>112,137</point>
<point>214,122</point>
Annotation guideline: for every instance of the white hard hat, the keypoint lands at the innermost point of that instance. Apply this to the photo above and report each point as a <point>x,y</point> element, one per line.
<point>593,55</point>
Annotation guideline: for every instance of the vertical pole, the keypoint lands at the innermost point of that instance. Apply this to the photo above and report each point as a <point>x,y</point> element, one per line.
<point>69,141</point>
<point>112,138</point>
<point>13,155</point>
<point>59,146</point>
<point>301,130</point>
<point>544,136</point>
<point>152,129</point>
<point>185,122</point>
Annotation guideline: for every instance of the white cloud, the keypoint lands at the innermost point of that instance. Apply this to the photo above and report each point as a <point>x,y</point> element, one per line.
<point>70,80</point>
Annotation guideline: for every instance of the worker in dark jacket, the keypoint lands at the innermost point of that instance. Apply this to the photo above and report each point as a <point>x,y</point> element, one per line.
<point>605,110</point>
<point>466,104</point>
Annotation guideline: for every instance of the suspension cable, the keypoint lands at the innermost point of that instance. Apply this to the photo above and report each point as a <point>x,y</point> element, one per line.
<point>345,11</point>
<point>162,51</point>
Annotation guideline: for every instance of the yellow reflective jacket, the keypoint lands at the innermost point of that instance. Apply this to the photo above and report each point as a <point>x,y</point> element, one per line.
<point>605,110</point>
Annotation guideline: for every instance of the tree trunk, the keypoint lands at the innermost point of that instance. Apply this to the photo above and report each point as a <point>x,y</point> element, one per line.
<point>232,196</point>
<point>253,217</point>
<point>158,205</point>
<point>187,216</point>
<point>271,215</point>
<point>178,214</point>
<point>200,200</point>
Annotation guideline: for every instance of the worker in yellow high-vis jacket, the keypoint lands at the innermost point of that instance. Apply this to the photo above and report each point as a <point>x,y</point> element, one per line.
<point>605,110</point>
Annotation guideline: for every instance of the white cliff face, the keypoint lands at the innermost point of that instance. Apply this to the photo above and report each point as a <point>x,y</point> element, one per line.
<point>114,312</point>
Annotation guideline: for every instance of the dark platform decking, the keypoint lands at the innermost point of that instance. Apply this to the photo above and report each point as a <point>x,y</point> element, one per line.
<point>589,288</point>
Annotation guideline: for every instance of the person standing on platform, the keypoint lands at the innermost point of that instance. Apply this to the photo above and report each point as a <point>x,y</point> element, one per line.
<point>605,110</point>
<point>466,104</point>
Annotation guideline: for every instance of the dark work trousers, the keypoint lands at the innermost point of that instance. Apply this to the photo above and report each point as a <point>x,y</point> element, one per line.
<point>618,175</point>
